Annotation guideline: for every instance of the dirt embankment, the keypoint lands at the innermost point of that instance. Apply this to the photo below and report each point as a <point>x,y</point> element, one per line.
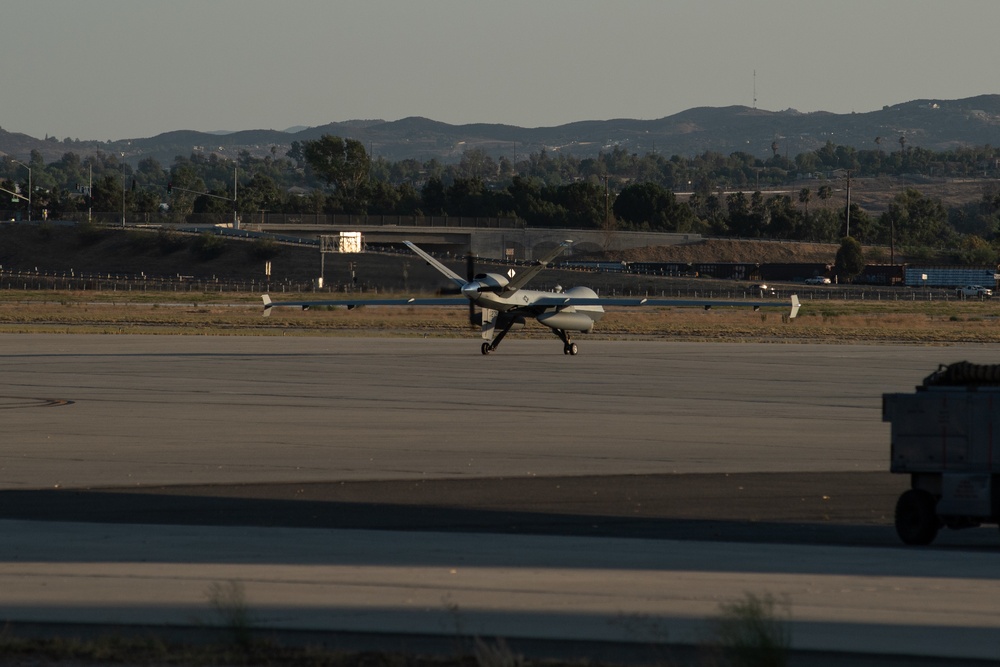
<point>726,250</point>
<point>69,249</point>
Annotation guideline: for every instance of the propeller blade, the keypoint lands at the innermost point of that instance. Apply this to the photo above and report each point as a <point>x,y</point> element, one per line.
<point>470,275</point>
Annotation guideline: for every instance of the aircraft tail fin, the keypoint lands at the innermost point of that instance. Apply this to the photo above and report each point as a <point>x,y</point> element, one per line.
<point>795,307</point>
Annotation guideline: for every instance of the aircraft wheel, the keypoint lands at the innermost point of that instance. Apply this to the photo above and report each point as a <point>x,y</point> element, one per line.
<point>486,348</point>
<point>917,521</point>
<point>565,349</point>
<point>571,349</point>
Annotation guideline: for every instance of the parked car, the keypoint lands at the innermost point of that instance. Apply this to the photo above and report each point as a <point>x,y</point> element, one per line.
<point>817,280</point>
<point>975,290</point>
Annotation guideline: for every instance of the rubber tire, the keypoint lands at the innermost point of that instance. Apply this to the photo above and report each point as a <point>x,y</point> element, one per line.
<point>572,349</point>
<point>486,349</point>
<point>917,522</point>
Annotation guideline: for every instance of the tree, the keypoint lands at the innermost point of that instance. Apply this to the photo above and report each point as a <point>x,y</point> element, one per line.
<point>863,227</point>
<point>653,205</point>
<point>186,181</point>
<point>784,221</point>
<point>805,196</point>
<point>741,219</point>
<point>850,260</point>
<point>468,197</point>
<point>918,220</point>
<point>824,226</point>
<point>433,195</point>
<point>583,204</point>
<point>107,193</point>
<point>342,164</point>
<point>974,251</point>
<point>260,194</point>
<point>477,164</point>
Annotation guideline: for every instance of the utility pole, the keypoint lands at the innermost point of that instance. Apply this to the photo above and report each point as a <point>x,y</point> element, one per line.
<point>848,213</point>
<point>29,185</point>
<point>236,220</point>
<point>892,241</point>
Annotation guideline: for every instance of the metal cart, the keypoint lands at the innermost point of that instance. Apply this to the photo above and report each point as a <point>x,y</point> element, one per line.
<point>946,436</point>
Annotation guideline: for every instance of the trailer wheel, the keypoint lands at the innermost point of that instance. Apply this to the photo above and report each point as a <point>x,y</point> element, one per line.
<point>917,521</point>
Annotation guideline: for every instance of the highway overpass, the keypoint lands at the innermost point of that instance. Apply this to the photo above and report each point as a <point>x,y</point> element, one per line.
<point>485,237</point>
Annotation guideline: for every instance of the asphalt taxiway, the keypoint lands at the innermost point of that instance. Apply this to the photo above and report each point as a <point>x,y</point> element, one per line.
<point>416,488</point>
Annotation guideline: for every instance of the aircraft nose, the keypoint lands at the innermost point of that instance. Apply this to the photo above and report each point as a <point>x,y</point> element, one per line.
<point>471,290</point>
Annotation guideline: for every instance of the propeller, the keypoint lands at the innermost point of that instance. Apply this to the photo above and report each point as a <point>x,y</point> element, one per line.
<point>470,275</point>
<point>475,319</point>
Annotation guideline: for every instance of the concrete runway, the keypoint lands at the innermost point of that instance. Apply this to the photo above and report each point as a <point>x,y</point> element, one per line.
<point>413,486</point>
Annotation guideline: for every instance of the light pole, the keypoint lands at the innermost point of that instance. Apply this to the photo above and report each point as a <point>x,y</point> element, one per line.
<point>123,190</point>
<point>29,185</point>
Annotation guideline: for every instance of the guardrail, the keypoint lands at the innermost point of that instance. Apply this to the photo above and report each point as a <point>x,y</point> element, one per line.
<point>106,282</point>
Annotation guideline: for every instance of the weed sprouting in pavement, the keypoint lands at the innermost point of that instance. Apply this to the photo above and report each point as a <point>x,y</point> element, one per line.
<point>228,600</point>
<point>750,632</point>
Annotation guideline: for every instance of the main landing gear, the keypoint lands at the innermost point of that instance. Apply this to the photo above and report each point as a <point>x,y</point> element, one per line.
<point>569,347</point>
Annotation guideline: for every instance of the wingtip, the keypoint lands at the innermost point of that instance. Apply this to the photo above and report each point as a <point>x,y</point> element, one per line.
<point>795,307</point>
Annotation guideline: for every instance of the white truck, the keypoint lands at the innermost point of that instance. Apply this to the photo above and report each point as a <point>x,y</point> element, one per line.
<point>946,436</point>
<point>970,291</point>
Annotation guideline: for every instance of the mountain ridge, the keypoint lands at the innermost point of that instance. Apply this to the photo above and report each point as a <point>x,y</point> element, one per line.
<point>929,123</point>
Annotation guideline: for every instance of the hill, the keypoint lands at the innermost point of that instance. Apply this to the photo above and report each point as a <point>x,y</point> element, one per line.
<point>932,124</point>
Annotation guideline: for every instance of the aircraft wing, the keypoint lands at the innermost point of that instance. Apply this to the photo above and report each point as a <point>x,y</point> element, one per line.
<point>677,303</point>
<point>354,303</point>
<point>444,270</point>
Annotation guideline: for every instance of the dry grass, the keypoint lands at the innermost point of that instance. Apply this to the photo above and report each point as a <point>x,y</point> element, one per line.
<point>831,321</point>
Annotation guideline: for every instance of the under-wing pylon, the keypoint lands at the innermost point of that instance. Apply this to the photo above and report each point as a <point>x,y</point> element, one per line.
<point>505,305</point>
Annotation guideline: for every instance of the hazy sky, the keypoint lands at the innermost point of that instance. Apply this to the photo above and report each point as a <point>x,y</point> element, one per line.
<point>117,69</point>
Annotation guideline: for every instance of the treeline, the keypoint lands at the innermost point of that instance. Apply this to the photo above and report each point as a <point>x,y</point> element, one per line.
<point>615,190</point>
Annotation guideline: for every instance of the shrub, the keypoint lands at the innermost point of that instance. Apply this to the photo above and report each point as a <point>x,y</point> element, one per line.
<point>169,241</point>
<point>208,246</point>
<point>262,250</point>
<point>87,233</point>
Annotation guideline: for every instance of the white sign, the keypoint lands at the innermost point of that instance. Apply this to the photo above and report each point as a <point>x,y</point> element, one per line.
<point>350,242</point>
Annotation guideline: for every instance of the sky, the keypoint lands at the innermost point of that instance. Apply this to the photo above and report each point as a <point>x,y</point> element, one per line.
<point>121,69</point>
